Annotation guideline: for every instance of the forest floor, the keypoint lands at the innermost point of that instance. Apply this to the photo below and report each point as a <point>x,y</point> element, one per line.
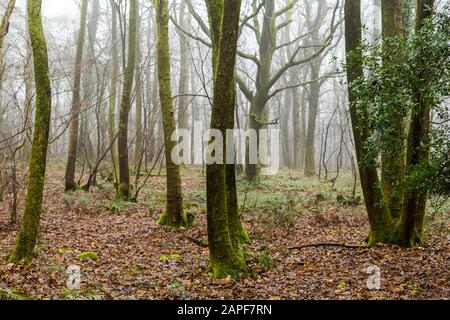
<point>134,258</point>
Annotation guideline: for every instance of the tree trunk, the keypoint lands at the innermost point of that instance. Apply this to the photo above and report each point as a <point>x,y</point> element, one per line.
<point>183,89</point>
<point>174,214</point>
<point>411,221</point>
<point>393,160</point>
<point>314,93</point>
<point>70,184</point>
<point>113,93</point>
<point>4,28</point>
<point>258,105</point>
<point>26,239</point>
<point>381,224</point>
<point>29,95</point>
<point>85,145</point>
<point>138,152</point>
<point>226,257</point>
<point>125,106</point>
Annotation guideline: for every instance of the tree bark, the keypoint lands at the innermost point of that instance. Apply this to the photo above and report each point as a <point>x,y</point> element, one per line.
<point>138,152</point>
<point>174,214</point>
<point>183,89</point>
<point>70,184</point>
<point>125,106</point>
<point>393,160</point>
<point>381,224</point>
<point>26,239</point>
<point>113,92</point>
<point>418,144</point>
<point>226,257</point>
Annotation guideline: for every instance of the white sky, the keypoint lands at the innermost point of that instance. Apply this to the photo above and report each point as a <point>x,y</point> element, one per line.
<point>54,8</point>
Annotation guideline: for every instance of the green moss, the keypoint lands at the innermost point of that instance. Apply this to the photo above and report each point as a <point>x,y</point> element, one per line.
<point>220,270</point>
<point>88,255</point>
<point>64,250</point>
<point>187,220</point>
<point>6,295</point>
<point>265,260</point>
<point>174,257</point>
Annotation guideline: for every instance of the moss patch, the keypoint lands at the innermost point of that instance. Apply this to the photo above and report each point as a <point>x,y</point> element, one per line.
<point>88,255</point>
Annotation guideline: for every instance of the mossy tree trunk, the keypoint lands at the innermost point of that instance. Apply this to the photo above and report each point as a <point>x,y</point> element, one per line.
<point>29,97</point>
<point>393,159</point>
<point>174,214</point>
<point>26,238</point>
<point>123,192</point>
<point>410,228</point>
<point>70,184</point>
<point>390,222</point>
<point>224,229</point>
<point>381,223</point>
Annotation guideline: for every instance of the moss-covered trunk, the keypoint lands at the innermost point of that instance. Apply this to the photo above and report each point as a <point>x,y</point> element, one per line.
<point>393,159</point>
<point>226,256</point>
<point>410,227</point>
<point>381,224</point>
<point>237,232</point>
<point>125,106</point>
<point>69,177</point>
<point>173,214</point>
<point>26,238</point>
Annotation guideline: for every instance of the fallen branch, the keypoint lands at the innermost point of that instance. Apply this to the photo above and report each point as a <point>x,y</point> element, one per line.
<point>199,242</point>
<point>329,244</point>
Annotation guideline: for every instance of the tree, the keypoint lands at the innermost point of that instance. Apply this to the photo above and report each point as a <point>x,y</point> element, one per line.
<point>315,85</point>
<point>138,153</point>
<point>421,80</point>
<point>226,257</point>
<point>393,160</point>
<point>113,91</point>
<point>70,184</point>
<point>266,78</point>
<point>125,106</point>
<point>419,136</point>
<point>379,218</point>
<point>183,88</point>
<point>174,214</point>
<point>90,84</point>
<point>26,238</point>
<point>4,27</point>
